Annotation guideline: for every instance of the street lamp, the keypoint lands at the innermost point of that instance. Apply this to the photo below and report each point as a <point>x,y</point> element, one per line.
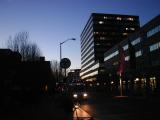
<point>61,52</point>
<point>61,45</point>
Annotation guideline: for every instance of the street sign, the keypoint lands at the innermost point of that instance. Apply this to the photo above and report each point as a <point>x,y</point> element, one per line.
<point>65,63</point>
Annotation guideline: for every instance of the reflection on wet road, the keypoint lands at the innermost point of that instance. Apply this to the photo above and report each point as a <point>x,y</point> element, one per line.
<point>79,114</point>
<point>83,112</point>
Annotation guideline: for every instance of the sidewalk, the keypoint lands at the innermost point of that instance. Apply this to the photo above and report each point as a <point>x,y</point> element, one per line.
<point>47,109</point>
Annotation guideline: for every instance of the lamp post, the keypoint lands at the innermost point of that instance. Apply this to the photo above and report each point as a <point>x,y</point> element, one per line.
<point>61,54</point>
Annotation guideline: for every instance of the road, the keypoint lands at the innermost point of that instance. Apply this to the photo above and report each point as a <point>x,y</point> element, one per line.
<point>101,107</point>
<point>98,106</point>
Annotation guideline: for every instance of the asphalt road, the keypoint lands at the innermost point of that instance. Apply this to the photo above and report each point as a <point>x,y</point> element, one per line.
<point>98,106</point>
<point>101,107</point>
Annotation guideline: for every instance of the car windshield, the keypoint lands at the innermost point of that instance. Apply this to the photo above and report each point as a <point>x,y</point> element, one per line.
<point>77,87</point>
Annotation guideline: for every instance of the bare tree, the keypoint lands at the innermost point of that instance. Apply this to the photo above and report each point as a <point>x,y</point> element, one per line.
<point>32,51</point>
<point>55,69</point>
<point>54,66</point>
<point>20,43</point>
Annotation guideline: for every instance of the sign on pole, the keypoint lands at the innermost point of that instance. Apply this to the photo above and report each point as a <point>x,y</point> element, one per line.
<point>65,63</point>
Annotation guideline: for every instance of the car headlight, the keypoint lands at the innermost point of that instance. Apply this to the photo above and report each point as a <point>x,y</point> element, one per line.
<point>85,95</point>
<point>75,95</point>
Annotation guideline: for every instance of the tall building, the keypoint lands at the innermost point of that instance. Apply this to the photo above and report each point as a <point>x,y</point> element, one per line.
<point>146,72</point>
<point>102,32</point>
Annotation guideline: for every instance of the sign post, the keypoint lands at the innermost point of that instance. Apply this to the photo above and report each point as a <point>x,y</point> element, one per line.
<point>65,63</point>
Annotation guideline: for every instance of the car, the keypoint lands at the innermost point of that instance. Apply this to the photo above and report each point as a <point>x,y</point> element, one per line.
<point>80,95</point>
<point>78,92</point>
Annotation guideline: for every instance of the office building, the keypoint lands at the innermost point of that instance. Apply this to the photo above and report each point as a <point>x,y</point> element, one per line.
<point>142,73</point>
<point>101,33</point>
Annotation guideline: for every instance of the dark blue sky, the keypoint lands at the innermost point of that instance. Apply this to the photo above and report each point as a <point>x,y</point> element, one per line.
<point>50,22</point>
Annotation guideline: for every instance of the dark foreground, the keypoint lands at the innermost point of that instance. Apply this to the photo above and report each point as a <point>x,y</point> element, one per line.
<point>123,108</point>
<point>102,108</point>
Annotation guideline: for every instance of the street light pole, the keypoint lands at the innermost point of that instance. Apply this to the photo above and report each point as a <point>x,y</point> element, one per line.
<point>61,55</point>
<point>60,52</point>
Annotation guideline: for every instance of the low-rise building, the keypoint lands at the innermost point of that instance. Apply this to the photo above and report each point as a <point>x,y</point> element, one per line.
<point>24,80</point>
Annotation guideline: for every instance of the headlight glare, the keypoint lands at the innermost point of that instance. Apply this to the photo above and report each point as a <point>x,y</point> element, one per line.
<point>85,95</point>
<point>75,95</point>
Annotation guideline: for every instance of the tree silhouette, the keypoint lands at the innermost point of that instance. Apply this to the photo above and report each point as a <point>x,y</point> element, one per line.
<point>20,43</point>
<point>55,69</point>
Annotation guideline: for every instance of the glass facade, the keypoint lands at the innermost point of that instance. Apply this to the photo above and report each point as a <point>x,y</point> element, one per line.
<point>146,50</point>
<point>138,53</point>
<point>136,41</point>
<point>102,32</point>
<point>154,47</point>
<point>153,31</point>
<point>142,71</point>
<point>111,55</point>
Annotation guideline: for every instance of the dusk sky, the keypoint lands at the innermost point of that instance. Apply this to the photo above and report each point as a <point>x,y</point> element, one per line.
<point>50,22</point>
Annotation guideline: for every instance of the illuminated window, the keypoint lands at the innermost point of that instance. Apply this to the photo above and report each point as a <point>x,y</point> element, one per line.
<point>119,18</point>
<point>124,33</point>
<point>105,17</point>
<point>90,69</point>
<point>138,53</point>
<point>111,56</point>
<point>96,32</point>
<point>125,47</point>
<point>108,17</point>
<point>89,75</point>
<point>126,58</point>
<point>154,46</point>
<point>101,22</point>
<point>102,38</point>
<point>132,28</point>
<point>153,31</point>
<point>131,19</point>
<point>136,41</point>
